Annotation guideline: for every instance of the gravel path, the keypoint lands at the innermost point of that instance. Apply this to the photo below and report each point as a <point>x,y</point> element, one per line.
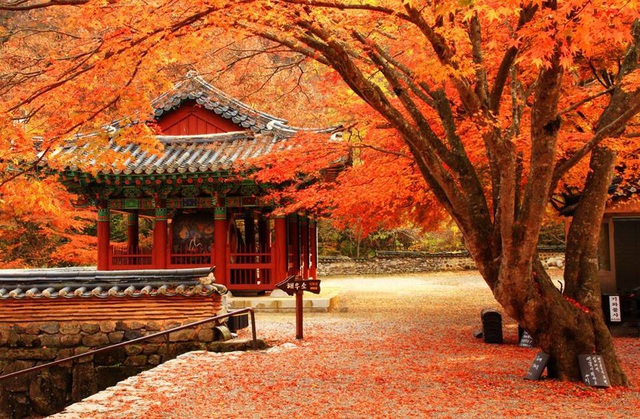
<point>403,349</point>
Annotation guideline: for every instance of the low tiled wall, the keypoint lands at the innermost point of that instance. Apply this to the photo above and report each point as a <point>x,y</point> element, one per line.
<point>49,391</point>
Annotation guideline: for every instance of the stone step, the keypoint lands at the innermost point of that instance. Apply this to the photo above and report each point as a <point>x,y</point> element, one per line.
<point>278,301</point>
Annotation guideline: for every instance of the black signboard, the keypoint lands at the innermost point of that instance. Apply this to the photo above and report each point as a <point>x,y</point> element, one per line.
<point>295,283</point>
<point>526,341</point>
<point>593,370</point>
<point>538,366</point>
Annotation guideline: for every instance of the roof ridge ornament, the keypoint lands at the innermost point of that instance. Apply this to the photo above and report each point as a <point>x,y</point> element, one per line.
<point>191,74</point>
<point>270,125</point>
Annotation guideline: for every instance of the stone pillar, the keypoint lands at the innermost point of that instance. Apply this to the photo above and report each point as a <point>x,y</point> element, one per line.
<point>313,252</point>
<point>220,228</point>
<point>304,247</point>
<point>279,251</point>
<point>294,244</point>
<point>160,236</point>
<point>132,232</point>
<point>104,236</point>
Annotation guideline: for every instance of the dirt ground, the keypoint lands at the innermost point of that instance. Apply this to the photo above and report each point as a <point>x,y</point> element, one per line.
<point>401,347</point>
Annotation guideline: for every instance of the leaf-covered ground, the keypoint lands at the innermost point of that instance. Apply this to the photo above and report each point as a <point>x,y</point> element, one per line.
<point>403,349</point>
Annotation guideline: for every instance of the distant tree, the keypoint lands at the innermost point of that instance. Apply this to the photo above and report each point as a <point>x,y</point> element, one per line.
<point>40,228</point>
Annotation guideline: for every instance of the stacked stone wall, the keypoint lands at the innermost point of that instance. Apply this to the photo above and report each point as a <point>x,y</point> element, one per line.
<point>405,262</point>
<point>50,390</point>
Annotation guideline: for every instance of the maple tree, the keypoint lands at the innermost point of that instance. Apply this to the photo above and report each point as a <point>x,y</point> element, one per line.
<point>39,227</point>
<point>490,105</point>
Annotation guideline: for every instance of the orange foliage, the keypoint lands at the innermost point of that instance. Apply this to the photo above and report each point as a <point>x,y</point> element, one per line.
<point>39,227</point>
<point>70,71</point>
<point>74,70</point>
<point>497,103</point>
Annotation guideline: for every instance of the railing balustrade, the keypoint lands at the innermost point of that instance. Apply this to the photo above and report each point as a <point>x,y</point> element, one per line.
<point>188,254</point>
<point>124,256</point>
<point>249,267</point>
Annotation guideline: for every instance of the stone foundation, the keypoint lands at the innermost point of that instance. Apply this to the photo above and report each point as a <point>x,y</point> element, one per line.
<point>50,390</point>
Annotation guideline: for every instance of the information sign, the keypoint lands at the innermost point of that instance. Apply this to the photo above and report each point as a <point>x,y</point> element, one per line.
<point>614,308</point>
<point>593,370</point>
<point>526,341</point>
<point>295,283</point>
<point>538,366</point>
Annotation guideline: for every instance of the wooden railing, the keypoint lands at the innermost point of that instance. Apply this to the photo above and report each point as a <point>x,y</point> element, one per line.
<point>248,268</point>
<point>251,268</point>
<point>185,254</point>
<point>126,257</point>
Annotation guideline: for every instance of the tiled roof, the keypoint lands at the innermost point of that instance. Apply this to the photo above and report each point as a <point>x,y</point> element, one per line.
<point>82,283</point>
<point>195,153</point>
<point>185,154</point>
<point>194,87</point>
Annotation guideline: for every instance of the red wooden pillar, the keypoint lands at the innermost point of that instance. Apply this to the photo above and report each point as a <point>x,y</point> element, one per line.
<point>220,227</point>
<point>160,236</point>
<point>304,247</point>
<point>104,236</point>
<point>313,252</point>
<point>294,244</point>
<point>132,232</point>
<point>280,256</point>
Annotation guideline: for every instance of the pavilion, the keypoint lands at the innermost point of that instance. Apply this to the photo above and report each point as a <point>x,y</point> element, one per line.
<point>203,214</point>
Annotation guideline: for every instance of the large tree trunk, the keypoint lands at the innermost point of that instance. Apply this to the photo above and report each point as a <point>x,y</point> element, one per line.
<point>558,326</point>
<point>566,326</point>
<point>581,268</point>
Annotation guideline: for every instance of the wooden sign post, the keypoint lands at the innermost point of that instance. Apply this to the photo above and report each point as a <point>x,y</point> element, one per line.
<point>295,284</point>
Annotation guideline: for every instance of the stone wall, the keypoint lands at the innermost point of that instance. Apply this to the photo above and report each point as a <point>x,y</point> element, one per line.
<point>50,390</point>
<point>409,262</point>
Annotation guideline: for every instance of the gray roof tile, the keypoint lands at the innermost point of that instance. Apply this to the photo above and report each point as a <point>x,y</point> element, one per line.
<point>83,283</point>
<point>263,134</point>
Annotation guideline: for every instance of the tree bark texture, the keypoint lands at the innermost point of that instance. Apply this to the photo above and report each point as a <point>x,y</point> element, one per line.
<point>581,259</point>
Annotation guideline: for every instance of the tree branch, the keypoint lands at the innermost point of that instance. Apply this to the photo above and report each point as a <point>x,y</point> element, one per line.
<point>24,5</point>
<point>583,101</point>
<point>526,14</point>
<point>475,35</point>
<point>633,108</point>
